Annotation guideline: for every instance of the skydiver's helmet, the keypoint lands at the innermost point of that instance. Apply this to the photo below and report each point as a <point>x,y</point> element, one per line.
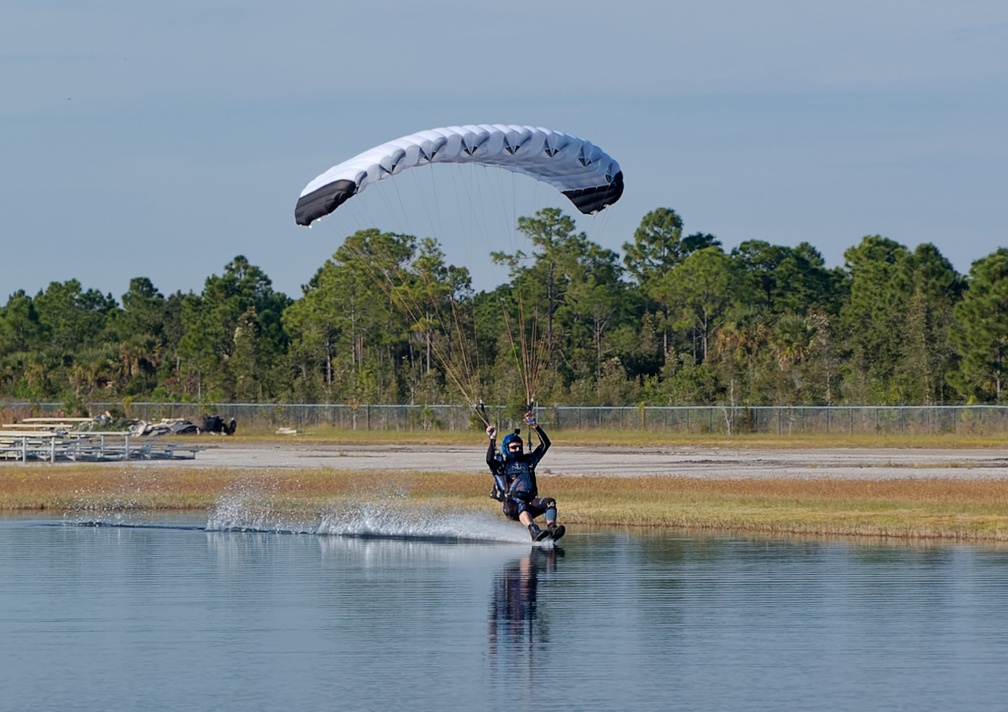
<point>511,445</point>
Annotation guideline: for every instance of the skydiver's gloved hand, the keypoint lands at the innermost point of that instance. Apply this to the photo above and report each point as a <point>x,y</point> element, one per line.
<point>491,432</point>
<point>531,419</point>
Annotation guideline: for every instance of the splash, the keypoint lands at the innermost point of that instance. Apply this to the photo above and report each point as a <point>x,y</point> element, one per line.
<point>121,513</point>
<point>247,511</point>
<point>389,518</point>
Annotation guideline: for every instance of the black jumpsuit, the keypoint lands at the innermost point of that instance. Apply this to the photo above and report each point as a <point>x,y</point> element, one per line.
<point>515,480</point>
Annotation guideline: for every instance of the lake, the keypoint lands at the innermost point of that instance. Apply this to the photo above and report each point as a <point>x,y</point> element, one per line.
<point>388,611</point>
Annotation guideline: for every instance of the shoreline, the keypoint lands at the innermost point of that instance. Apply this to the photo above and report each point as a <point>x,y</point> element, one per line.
<point>952,495</point>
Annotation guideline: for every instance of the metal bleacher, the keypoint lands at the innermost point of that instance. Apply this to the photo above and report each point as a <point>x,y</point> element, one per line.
<point>60,439</point>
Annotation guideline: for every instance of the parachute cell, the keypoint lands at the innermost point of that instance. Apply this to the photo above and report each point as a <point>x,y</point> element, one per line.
<point>580,170</point>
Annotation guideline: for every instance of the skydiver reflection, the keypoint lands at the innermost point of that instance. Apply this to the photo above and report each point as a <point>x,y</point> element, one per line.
<point>518,629</point>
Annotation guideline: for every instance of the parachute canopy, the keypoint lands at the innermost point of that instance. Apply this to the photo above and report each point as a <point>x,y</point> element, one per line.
<point>580,170</point>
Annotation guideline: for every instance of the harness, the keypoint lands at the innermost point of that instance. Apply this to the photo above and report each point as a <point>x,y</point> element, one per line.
<point>519,473</point>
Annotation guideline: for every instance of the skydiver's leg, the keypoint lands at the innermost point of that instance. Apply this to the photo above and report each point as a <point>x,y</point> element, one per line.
<point>537,508</point>
<point>527,517</point>
<point>549,508</point>
<point>510,509</point>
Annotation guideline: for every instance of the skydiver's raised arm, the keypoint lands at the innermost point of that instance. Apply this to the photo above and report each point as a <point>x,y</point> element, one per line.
<point>491,456</point>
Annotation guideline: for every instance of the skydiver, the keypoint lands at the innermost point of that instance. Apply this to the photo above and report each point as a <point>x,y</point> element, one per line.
<point>515,481</point>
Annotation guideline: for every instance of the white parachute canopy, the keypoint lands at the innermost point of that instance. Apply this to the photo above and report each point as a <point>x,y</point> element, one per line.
<point>590,178</point>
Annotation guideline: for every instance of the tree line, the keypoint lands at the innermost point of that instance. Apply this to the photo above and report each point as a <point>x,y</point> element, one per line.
<point>673,320</point>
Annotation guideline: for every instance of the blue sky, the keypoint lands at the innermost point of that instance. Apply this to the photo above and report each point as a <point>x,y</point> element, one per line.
<point>162,139</point>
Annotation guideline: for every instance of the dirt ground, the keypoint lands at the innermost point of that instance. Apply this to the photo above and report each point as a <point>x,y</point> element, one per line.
<point>805,463</point>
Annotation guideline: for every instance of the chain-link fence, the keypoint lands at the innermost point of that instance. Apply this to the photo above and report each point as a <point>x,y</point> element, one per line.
<point>718,420</point>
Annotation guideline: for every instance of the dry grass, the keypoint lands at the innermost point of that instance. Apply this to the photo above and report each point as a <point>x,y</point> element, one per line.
<point>912,508</point>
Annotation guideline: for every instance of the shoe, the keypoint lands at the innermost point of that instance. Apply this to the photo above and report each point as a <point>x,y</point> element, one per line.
<point>537,533</point>
<point>557,530</point>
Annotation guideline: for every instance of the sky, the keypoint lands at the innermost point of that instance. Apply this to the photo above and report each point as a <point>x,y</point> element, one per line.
<point>162,139</point>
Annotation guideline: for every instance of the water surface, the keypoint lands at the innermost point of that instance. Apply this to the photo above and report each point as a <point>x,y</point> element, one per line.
<point>174,615</point>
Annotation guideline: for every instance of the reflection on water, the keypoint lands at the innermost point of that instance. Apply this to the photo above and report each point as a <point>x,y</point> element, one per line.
<point>518,634</point>
<point>169,615</point>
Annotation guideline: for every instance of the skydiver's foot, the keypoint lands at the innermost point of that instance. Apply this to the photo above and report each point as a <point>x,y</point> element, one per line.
<point>537,533</point>
<point>556,530</point>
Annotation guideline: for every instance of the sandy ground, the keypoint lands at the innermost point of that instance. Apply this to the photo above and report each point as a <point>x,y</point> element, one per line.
<point>854,463</point>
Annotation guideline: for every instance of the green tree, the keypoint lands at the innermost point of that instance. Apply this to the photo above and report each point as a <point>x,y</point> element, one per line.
<point>212,321</point>
<point>21,340</point>
<point>198,356</point>
<point>71,317</point>
<point>735,358</point>
<point>980,331</point>
<point>76,341</point>
<point>370,270</point>
<point>788,279</point>
<point>656,247</point>
<point>595,304</point>
<point>700,292</point>
<point>873,316</point>
<point>314,325</point>
<point>927,355</point>
<point>141,329</point>
<point>791,342</point>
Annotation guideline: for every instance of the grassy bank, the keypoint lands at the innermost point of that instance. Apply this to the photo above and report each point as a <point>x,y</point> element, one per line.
<point>962,510</point>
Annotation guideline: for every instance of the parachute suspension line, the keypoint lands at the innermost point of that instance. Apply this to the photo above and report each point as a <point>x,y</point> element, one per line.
<point>453,353</point>
<point>362,218</point>
<point>467,350</point>
<point>512,215</point>
<point>529,339</point>
<point>517,352</point>
<point>530,350</point>
<point>507,206</point>
<point>460,190</point>
<point>395,285</point>
<point>465,183</point>
<point>600,223</point>
<point>538,345</point>
<point>480,410</point>
<point>475,209</point>
<point>383,204</point>
<point>402,206</point>
<point>460,352</point>
<point>428,204</point>
<point>496,206</point>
